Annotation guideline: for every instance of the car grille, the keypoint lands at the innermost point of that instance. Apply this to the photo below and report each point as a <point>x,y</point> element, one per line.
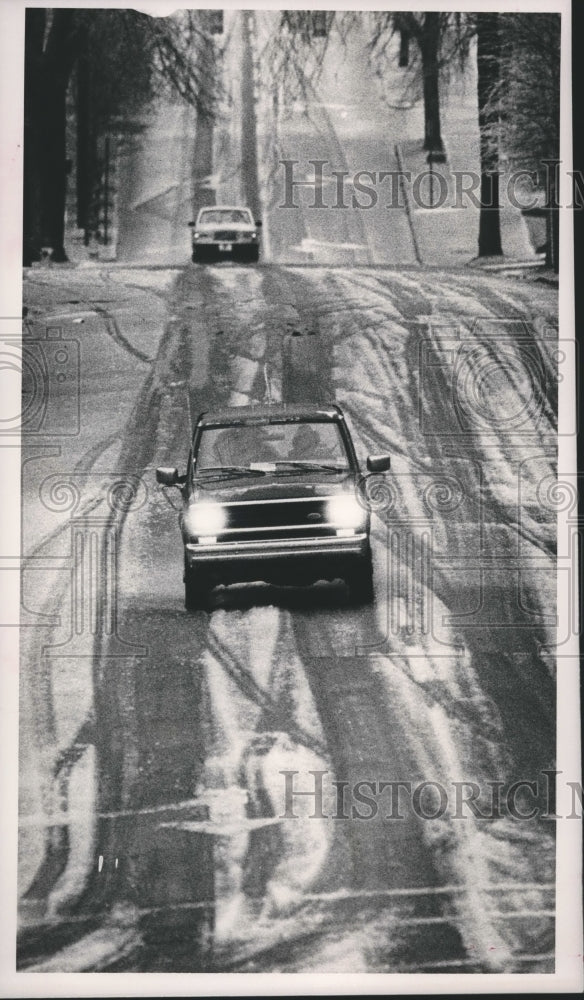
<point>226,236</point>
<point>292,513</point>
<point>291,519</point>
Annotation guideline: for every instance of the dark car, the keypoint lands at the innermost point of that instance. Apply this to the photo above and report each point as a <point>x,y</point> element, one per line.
<point>272,493</point>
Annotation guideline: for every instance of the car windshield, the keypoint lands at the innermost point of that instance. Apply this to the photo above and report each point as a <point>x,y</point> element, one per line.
<point>224,216</point>
<point>274,447</point>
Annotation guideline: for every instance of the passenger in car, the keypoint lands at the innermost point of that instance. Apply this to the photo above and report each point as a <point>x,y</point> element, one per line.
<point>307,445</point>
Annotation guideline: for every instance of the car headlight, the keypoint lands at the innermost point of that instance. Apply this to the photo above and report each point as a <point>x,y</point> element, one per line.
<point>345,511</point>
<point>205,519</point>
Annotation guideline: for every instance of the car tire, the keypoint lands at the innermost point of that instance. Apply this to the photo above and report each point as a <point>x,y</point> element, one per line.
<point>196,590</point>
<point>254,255</point>
<point>360,581</point>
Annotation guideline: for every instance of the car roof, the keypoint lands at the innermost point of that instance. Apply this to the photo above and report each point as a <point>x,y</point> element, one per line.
<point>276,412</point>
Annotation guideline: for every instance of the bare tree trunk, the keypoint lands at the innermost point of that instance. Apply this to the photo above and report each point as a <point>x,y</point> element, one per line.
<point>86,142</point>
<point>48,66</point>
<point>31,223</point>
<point>429,46</point>
<point>552,244</point>
<point>404,48</point>
<point>249,166</point>
<point>53,178</point>
<point>489,67</point>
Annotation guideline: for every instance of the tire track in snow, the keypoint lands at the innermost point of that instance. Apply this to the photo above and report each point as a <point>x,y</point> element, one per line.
<point>448,734</point>
<point>386,712</point>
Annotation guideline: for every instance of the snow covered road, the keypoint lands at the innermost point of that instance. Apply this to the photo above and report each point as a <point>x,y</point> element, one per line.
<point>162,752</point>
<point>449,678</point>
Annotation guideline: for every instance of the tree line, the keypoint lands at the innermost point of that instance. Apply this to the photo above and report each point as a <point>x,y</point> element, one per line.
<point>518,87</point>
<point>109,62</point>
<point>113,61</point>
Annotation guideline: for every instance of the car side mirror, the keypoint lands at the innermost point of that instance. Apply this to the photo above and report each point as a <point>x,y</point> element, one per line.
<point>378,463</point>
<point>167,477</point>
<point>191,224</point>
<point>258,224</point>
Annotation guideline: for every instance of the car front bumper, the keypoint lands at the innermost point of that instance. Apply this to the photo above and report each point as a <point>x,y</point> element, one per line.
<point>278,559</point>
<point>282,547</point>
<point>221,247</point>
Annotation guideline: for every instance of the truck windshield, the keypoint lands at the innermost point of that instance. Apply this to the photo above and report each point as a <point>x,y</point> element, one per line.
<point>246,446</point>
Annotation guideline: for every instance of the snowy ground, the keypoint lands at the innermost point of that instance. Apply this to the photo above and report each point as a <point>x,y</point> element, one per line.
<point>205,712</point>
<point>153,741</point>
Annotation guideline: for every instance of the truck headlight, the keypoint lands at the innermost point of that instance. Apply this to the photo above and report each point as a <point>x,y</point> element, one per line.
<point>205,519</point>
<point>345,511</point>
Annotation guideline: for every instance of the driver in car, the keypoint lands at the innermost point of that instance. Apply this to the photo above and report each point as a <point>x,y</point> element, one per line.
<point>245,446</point>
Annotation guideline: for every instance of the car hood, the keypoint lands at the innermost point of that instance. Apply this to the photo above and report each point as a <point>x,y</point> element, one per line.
<point>269,487</point>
